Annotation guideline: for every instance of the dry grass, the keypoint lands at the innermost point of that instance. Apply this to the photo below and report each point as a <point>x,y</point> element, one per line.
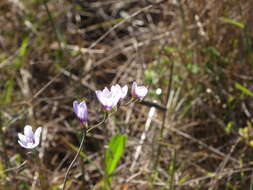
<point>50,58</point>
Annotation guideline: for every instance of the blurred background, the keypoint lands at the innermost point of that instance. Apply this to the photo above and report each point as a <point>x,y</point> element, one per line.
<point>193,130</point>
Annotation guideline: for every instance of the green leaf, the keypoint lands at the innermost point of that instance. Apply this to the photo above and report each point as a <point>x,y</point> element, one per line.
<point>114,152</point>
<point>23,49</point>
<point>243,89</point>
<point>7,94</point>
<point>232,22</point>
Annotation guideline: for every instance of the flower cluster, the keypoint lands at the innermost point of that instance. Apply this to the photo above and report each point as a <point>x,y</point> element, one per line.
<point>108,98</point>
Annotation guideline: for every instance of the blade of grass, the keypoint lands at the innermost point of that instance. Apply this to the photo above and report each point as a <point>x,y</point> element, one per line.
<point>232,22</point>
<point>243,89</point>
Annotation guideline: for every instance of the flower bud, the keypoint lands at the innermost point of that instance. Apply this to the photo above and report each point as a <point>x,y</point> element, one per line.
<point>138,91</point>
<point>80,110</point>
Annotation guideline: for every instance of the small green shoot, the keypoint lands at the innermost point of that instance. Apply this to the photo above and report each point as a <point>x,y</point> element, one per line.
<point>243,89</point>
<point>232,22</point>
<point>8,92</point>
<point>23,50</point>
<point>114,152</point>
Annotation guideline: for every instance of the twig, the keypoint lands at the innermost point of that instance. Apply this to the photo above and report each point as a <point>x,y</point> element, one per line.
<point>17,167</point>
<point>143,137</point>
<point>218,172</point>
<point>117,25</point>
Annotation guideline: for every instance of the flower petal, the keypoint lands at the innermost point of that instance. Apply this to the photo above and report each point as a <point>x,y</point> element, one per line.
<point>28,132</point>
<point>99,94</point>
<point>124,91</point>
<point>37,136</point>
<point>22,138</point>
<point>134,86</point>
<point>21,144</point>
<point>31,145</point>
<point>75,106</point>
<point>141,91</point>
<point>82,112</point>
<point>106,91</point>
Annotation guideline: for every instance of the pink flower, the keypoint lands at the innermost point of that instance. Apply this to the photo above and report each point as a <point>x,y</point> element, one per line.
<point>109,99</point>
<point>29,140</point>
<point>138,91</point>
<point>121,91</point>
<point>80,110</point>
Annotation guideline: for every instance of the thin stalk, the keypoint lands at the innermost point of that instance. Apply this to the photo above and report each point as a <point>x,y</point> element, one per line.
<point>52,23</point>
<point>42,177</point>
<point>84,131</point>
<point>164,114</point>
<point>132,100</point>
<point>2,143</point>
<point>100,123</point>
<point>172,170</point>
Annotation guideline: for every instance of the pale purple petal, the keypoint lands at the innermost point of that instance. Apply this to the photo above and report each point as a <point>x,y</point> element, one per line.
<point>134,85</point>
<point>32,145</point>
<point>115,99</point>
<point>81,110</point>
<point>115,89</point>
<point>124,91</point>
<point>118,91</point>
<point>106,91</point>
<point>21,144</point>
<point>22,138</point>
<point>108,98</point>
<point>37,136</point>
<point>141,91</point>
<point>28,132</point>
<point>99,95</point>
<point>75,106</point>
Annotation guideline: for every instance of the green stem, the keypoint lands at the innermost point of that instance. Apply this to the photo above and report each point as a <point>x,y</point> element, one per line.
<point>42,177</point>
<point>84,130</point>
<point>100,123</point>
<point>53,24</point>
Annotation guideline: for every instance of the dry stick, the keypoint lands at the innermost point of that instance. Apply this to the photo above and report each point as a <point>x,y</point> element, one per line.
<point>210,148</point>
<point>164,114</point>
<point>143,137</point>
<point>90,47</point>
<point>223,164</point>
<point>17,167</point>
<point>192,181</point>
<point>117,25</point>
<point>223,174</point>
<point>84,131</point>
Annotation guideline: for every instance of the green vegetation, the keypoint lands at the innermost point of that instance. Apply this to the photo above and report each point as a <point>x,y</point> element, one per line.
<point>196,57</point>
